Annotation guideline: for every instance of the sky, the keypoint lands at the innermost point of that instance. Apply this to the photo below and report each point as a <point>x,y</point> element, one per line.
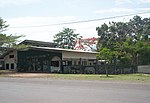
<point>36,18</point>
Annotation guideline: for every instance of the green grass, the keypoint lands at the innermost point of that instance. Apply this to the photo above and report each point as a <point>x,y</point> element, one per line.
<point>120,77</point>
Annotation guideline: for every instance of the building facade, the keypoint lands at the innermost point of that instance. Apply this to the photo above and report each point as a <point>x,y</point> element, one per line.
<point>43,59</point>
<point>46,59</point>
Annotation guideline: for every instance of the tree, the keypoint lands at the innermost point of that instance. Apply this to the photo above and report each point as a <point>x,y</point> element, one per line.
<point>7,41</point>
<point>112,37</point>
<point>103,33</point>
<point>66,38</point>
<point>106,54</point>
<point>3,27</point>
<point>138,39</point>
<point>129,40</point>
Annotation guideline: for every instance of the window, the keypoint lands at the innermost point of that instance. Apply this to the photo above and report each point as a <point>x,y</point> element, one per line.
<point>12,65</point>
<point>79,63</point>
<point>84,62</point>
<point>11,56</point>
<point>69,63</point>
<point>7,66</point>
<point>75,63</point>
<point>55,63</point>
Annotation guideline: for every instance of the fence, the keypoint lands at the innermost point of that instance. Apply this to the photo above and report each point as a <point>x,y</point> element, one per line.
<point>99,69</point>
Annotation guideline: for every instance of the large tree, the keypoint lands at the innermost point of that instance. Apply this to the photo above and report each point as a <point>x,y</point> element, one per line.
<point>127,39</point>
<point>66,38</point>
<point>6,41</point>
<point>105,54</point>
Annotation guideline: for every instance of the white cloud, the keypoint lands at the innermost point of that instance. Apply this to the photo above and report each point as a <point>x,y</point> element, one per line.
<point>122,10</point>
<point>37,21</point>
<point>114,10</point>
<point>46,33</point>
<point>145,1</point>
<point>119,2</point>
<point>142,9</point>
<point>17,2</point>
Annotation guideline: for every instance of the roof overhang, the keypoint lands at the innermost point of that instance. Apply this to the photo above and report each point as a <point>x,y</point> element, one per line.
<point>60,49</point>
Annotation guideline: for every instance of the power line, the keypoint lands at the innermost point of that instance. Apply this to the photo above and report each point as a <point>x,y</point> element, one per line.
<point>91,20</point>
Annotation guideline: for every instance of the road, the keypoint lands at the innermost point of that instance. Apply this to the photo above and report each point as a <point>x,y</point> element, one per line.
<point>46,90</point>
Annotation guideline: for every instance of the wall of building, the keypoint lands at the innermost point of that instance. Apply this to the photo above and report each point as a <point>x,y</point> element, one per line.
<point>10,61</point>
<point>1,64</point>
<point>38,61</point>
<point>77,55</point>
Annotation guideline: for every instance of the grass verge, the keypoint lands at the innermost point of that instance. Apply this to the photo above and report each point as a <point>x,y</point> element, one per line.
<point>120,77</point>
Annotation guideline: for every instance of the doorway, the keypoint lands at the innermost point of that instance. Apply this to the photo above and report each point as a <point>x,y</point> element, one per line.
<point>55,64</point>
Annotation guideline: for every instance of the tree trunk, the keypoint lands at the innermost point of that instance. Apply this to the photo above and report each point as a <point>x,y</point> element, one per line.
<point>134,62</point>
<point>106,70</point>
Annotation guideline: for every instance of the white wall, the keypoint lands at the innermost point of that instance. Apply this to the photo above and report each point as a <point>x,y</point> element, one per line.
<point>1,64</point>
<point>144,69</point>
<point>77,55</point>
<point>9,60</point>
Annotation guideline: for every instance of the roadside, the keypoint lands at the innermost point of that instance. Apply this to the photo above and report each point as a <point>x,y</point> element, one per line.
<point>47,90</point>
<point>120,77</point>
<point>7,73</point>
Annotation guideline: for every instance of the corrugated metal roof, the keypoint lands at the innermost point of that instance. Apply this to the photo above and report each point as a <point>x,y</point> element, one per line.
<point>38,43</point>
<point>60,49</point>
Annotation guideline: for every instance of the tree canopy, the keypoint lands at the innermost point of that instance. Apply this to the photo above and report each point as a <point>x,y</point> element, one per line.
<point>126,39</point>
<point>66,38</point>
<point>7,41</point>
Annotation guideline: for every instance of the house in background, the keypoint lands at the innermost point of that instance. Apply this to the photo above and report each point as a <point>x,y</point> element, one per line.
<point>39,43</point>
<point>45,57</point>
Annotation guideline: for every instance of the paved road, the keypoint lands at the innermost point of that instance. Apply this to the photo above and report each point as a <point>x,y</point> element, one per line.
<point>44,90</point>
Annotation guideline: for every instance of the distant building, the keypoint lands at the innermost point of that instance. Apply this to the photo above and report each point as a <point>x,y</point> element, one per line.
<point>39,43</point>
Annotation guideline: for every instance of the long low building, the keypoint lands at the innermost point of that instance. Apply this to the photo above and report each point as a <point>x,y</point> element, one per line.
<point>46,59</point>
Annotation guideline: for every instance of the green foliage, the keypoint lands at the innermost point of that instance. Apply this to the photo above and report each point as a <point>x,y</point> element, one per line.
<point>8,41</point>
<point>66,38</point>
<point>125,41</point>
<point>105,54</point>
<point>11,40</point>
<point>2,39</point>
<point>3,25</point>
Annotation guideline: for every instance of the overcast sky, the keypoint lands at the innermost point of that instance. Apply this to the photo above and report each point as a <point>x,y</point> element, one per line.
<point>30,13</point>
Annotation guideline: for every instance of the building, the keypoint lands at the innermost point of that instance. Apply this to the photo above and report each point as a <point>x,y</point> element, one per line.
<point>44,57</point>
<point>2,50</point>
<point>1,63</point>
<point>39,43</point>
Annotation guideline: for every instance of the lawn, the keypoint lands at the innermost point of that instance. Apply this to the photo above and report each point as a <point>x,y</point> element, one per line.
<point>120,77</point>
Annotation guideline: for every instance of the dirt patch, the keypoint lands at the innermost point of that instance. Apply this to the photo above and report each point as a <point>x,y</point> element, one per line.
<point>5,72</point>
<point>27,75</point>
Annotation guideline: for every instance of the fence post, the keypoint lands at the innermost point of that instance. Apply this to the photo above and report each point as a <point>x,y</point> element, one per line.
<point>96,67</point>
<point>81,71</point>
<point>62,66</point>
